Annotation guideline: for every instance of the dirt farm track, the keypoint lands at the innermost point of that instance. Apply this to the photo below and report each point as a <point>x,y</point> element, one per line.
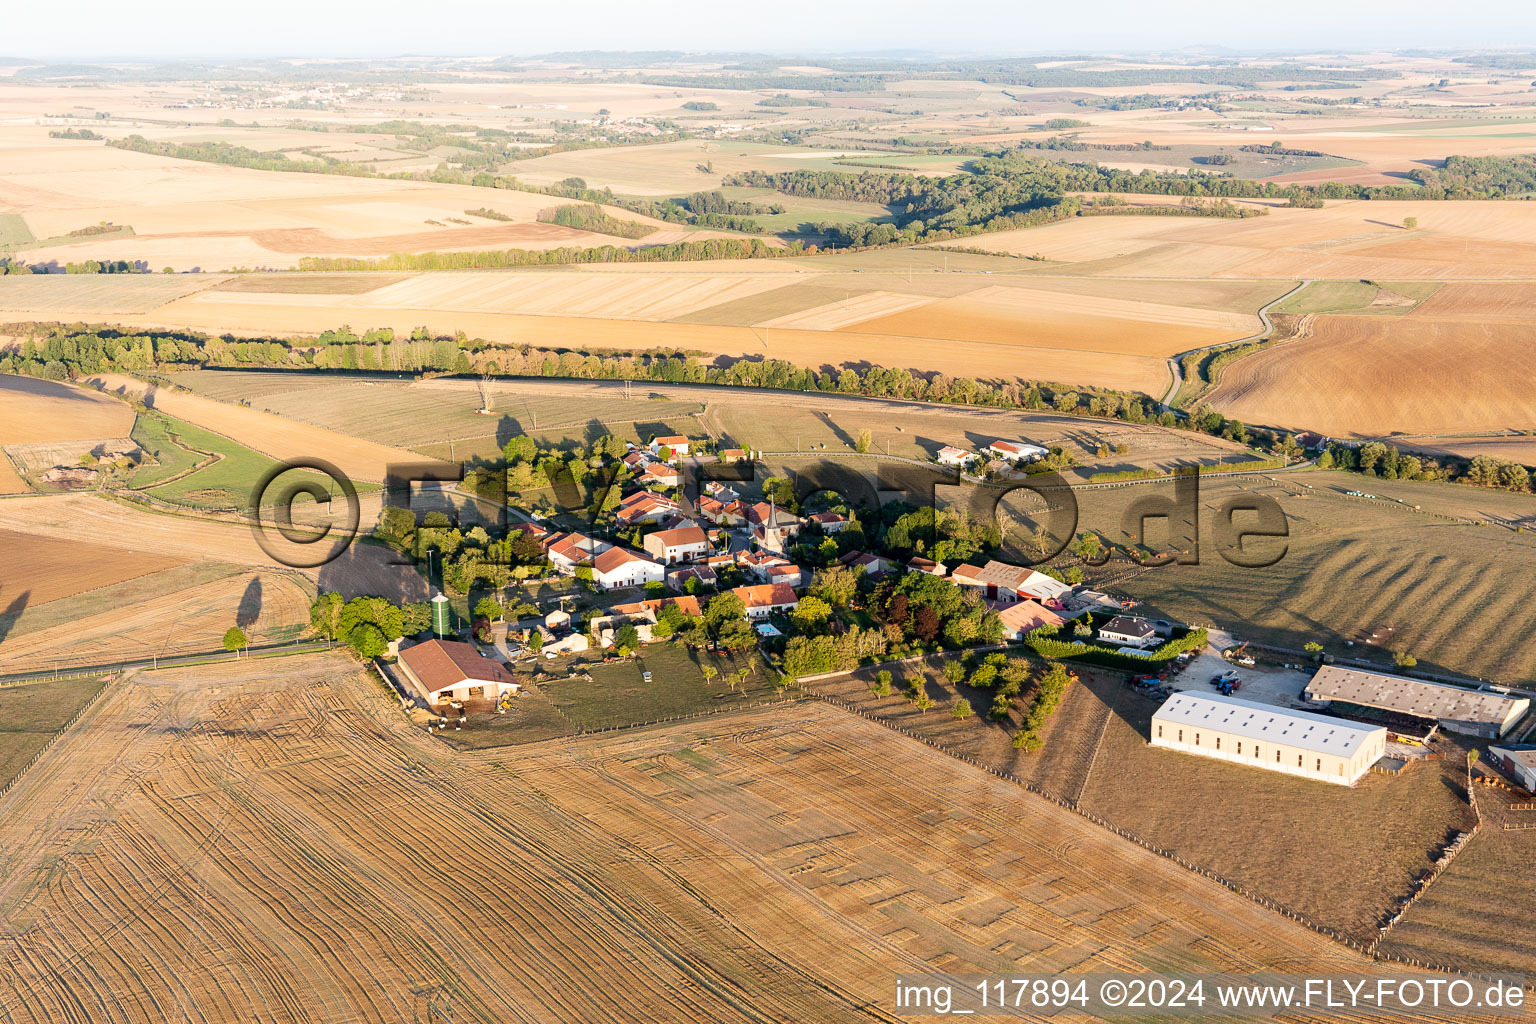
<point>274,843</point>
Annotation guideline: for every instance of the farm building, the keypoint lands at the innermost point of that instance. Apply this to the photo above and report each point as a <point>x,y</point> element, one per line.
<point>1299,743</point>
<point>444,670</point>
<point>917,563</point>
<point>1016,451</point>
<point>999,580</point>
<point>1518,761</point>
<point>1025,617</point>
<point>1006,583</point>
<point>1483,713</point>
<point>1129,631</point>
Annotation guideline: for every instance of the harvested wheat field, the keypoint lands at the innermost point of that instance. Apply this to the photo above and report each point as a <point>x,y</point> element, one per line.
<point>1052,319</point>
<point>67,296</point>
<point>198,216</point>
<point>324,861</point>
<point>39,569</point>
<point>35,411</point>
<point>40,412</point>
<point>1519,448</point>
<point>1345,239</point>
<point>276,436</point>
<point>1369,376</point>
<point>113,524</point>
<point>268,606</point>
<point>1130,372</point>
<point>639,296</point>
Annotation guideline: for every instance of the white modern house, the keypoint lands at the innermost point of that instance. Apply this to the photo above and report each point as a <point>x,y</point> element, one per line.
<point>621,567</point>
<point>949,455</point>
<point>1128,631</point>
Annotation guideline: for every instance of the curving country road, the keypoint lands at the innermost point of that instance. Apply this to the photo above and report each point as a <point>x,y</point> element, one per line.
<point>1175,363</point>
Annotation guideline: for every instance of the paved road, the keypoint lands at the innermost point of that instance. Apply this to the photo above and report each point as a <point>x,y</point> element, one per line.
<point>833,454</point>
<point>1175,364</point>
<point>204,658</point>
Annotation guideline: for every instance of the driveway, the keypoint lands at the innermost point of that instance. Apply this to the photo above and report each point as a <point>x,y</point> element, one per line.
<point>1268,684</point>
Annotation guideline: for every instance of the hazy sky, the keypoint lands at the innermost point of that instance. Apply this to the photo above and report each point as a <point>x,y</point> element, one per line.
<point>184,28</point>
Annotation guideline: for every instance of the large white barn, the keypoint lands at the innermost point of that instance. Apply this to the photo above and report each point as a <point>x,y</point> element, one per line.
<point>1265,736</point>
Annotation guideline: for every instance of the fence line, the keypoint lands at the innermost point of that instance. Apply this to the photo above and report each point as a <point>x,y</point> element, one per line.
<point>1250,895</point>
<point>88,705</point>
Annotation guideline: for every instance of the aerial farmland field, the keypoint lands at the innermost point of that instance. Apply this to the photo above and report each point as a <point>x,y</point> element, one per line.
<point>555,739</point>
<point>756,794</point>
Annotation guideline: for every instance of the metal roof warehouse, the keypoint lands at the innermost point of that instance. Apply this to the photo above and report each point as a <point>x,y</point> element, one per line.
<point>1322,734</point>
<point>1477,712</point>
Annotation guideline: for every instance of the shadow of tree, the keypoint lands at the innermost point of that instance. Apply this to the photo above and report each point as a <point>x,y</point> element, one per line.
<point>249,609</point>
<point>12,613</point>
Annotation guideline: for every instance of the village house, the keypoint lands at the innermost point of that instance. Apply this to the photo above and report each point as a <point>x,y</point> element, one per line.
<point>683,544</point>
<point>790,574</point>
<point>757,563</point>
<point>678,445</point>
<point>659,474</point>
<point>568,550</point>
<point>621,567</point>
<point>640,614</point>
<point>831,522</point>
<point>917,563</point>
<point>646,507</point>
<point>677,579</point>
<point>721,512</point>
<point>447,670</point>
<point>733,455</point>
<point>957,457</point>
<point>873,565</point>
<point>1128,631</point>
<point>766,599</point>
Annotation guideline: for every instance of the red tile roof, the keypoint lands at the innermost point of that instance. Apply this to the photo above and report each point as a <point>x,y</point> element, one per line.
<point>766,595</point>
<point>616,558</point>
<point>442,664</point>
<point>680,537</point>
